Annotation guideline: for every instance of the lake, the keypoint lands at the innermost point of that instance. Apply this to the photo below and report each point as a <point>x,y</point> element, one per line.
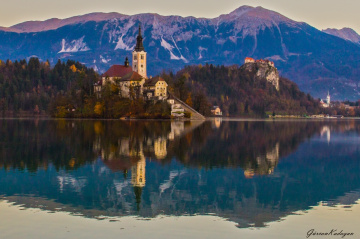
<point>175,179</point>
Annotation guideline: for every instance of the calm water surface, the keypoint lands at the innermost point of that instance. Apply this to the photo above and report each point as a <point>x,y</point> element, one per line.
<point>150,179</point>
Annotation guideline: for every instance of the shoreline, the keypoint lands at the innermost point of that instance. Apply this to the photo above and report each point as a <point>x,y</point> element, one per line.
<point>206,119</point>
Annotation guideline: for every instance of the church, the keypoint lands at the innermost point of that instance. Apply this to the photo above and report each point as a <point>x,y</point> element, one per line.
<point>325,103</point>
<point>132,80</point>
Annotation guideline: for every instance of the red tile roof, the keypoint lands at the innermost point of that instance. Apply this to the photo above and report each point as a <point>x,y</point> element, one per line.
<point>117,71</point>
<point>153,81</point>
<point>132,76</point>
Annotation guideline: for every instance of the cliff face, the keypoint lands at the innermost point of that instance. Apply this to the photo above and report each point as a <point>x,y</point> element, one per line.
<point>263,70</point>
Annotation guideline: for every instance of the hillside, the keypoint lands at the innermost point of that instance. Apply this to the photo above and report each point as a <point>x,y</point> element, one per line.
<point>29,86</point>
<point>66,90</point>
<point>240,91</point>
<point>315,60</point>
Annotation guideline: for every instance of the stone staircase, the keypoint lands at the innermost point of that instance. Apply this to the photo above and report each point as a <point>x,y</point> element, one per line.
<point>194,114</point>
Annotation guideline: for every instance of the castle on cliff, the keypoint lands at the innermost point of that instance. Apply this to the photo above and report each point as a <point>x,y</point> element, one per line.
<point>252,60</point>
<point>264,69</point>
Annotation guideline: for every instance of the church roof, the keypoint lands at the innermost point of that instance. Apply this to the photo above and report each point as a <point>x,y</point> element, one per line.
<point>153,81</point>
<point>132,76</point>
<point>117,71</point>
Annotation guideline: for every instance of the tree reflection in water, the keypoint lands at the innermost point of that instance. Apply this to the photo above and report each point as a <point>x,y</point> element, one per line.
<point>147,168</point>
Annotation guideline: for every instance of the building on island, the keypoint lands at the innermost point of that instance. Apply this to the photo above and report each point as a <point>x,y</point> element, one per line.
<point>132,79</point>
<point>139,56</point>
<point>216,111</point>
<point>131,82</point>
<point>155,88</point>
<point>123,76</point>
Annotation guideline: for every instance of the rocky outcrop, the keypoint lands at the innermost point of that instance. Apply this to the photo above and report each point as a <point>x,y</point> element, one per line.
<point>264,70</point>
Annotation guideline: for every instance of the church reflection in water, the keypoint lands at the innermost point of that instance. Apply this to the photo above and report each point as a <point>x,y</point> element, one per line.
<point>250,172</point>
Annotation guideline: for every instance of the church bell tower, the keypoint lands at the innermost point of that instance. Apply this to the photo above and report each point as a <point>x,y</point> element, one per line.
<point>139,56</point>
<point>328,98</point>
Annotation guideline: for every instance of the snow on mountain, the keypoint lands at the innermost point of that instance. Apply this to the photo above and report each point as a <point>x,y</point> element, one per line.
<point>201,49</point>
<point>345,33</point>
<point>104,60</point>
<point>170,48</point>
<point>300,52</point>
<point>74,46</point>
<point>121,45</point>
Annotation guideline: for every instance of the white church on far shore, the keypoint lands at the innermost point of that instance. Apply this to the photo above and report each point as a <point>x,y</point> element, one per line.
<point>325,103</point>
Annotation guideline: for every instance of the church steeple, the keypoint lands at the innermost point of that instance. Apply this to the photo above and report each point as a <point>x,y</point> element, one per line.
<point>139,41</point>
<point>139,56</point>
<point>126,62</point>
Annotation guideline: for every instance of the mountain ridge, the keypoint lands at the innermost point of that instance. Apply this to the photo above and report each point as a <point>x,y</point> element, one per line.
<point>315,60</point>
<point>55,23</point>
<point>345,33</point>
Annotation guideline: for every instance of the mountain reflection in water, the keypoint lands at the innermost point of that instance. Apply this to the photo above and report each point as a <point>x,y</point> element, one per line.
<point>250,172</point>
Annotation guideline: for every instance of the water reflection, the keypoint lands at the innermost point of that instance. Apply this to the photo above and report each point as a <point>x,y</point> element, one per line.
<point>250,172</point>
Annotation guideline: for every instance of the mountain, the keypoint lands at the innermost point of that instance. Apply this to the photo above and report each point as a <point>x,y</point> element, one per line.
<point>345,33</point>
<point>55,23</point>
<point>315,60</point>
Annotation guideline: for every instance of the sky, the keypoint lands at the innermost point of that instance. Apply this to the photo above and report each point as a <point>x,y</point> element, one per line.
<point>321,14</point>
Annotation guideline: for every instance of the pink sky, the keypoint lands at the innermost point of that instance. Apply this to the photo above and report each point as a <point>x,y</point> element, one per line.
<point>318,13</point>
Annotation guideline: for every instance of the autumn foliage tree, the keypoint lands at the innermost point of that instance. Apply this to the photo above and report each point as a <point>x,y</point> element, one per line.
<point>238,92</point>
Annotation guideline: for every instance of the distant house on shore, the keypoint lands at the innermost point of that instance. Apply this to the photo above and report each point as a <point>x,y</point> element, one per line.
<point>325,103</point>
<point>216,111</point>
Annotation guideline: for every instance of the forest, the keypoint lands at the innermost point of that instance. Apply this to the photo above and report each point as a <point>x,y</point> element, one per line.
<point>30,86</point>
<point>238,92</point>
<point>65,90</point>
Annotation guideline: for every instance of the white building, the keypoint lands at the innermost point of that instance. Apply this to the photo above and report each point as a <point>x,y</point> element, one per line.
<point>326,103</point>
